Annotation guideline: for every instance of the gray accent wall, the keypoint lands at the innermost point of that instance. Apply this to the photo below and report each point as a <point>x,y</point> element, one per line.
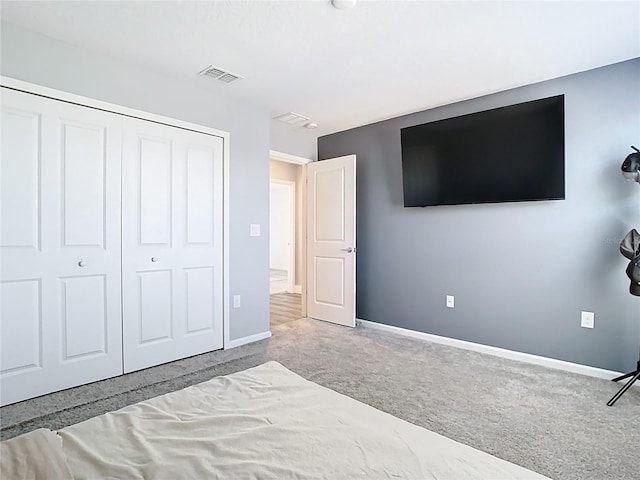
<point>521,273</point>
<point>38,59</point>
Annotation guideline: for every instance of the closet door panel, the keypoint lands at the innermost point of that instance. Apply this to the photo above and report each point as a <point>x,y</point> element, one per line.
<point>154,164</point>
<point>21,326</point>
<point>60,245</point>
<point>172,243</point>
<point>20,179</point>
<point>201,299</point>
<point>200,196</point>
<point>156,316</point>
<point>84,317</point>
<point>84,184</point>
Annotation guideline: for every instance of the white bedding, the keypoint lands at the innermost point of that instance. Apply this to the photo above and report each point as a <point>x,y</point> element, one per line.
<point>34,456</point>
<point>268,423</point>
<point>262,423</point>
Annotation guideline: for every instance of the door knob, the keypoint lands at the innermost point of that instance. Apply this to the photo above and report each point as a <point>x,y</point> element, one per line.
<point>348,250</point>
<point>82,263</point>
<point>154,259</point>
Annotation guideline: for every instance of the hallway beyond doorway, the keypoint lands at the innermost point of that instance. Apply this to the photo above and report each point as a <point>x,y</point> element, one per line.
<point>278,281</point>
<point>284,307</point>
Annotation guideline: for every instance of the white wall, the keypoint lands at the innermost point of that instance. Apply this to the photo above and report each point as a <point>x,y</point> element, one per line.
<point>279,226</point>
<point>293,140</point>
<point>38,59</point>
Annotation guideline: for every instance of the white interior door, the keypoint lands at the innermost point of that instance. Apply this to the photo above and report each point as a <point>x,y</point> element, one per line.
<point>331,240</point>
<point>60,246</point>
<point>172,259</point>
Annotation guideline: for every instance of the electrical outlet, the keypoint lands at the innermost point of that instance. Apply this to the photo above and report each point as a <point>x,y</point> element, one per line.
<point>587,320</point>
<point>450,301</point>
<point>236,301</point>
<point>254,230</point>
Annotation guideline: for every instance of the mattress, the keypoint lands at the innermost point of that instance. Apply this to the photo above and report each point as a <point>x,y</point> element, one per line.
<point>268,423</point>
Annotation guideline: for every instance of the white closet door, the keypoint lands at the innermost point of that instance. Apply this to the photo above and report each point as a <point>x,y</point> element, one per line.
<point>172,268</point>
<point>59,244</point>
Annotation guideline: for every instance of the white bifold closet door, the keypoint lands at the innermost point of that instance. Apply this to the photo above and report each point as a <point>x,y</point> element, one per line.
<point>60,233</point>
<point>172,267</point>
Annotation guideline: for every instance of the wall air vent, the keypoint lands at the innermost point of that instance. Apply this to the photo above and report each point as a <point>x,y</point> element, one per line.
<point>219,74</point>
<point>291,118</point>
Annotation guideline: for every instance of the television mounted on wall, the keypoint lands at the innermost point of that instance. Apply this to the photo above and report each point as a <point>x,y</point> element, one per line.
<point>509,154</point>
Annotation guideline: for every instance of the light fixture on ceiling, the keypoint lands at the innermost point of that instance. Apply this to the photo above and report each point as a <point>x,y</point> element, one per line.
<point>220,74</point>
<point>291,118</point>
<point>296,120</point>
<point>343,4</point>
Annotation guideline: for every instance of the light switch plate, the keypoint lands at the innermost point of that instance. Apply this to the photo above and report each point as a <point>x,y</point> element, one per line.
<point>450,301</point>
<point>254,230</point>
<point>587,320</point>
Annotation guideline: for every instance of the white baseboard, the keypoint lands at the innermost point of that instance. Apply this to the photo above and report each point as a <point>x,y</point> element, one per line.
<point>297,289</point>
<point>498,352</point>
<point>250,339</point>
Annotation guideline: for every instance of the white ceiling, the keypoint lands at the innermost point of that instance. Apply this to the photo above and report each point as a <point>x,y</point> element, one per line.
<point>345,68</point>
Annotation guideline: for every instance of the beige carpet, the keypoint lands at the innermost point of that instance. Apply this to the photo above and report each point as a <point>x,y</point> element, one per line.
<point>549,421</point>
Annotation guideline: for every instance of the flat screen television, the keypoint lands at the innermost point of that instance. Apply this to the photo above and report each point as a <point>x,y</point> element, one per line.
<point>508,154</point>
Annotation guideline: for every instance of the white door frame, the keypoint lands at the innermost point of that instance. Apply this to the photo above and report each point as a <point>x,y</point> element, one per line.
<point>288,158</point>
<point>131,112</point>
<point>291,234</point>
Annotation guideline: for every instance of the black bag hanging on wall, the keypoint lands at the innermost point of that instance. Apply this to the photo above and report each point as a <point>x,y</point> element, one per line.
<point>630,248</point>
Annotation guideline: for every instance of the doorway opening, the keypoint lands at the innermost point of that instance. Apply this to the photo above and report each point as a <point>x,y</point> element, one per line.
<point>282,212</point>
<point>286,181</point>
<point>324,240</point>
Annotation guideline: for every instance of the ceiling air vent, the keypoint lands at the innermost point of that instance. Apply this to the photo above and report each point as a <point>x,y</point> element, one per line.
<point>291,118</point>
<point>220,74</point>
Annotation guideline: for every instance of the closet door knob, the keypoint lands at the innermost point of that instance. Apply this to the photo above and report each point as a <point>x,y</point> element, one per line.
<point>82,263</point>
<point>154,259</point>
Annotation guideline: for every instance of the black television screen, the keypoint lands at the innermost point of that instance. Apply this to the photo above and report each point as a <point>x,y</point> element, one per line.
<point>508,154</point>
